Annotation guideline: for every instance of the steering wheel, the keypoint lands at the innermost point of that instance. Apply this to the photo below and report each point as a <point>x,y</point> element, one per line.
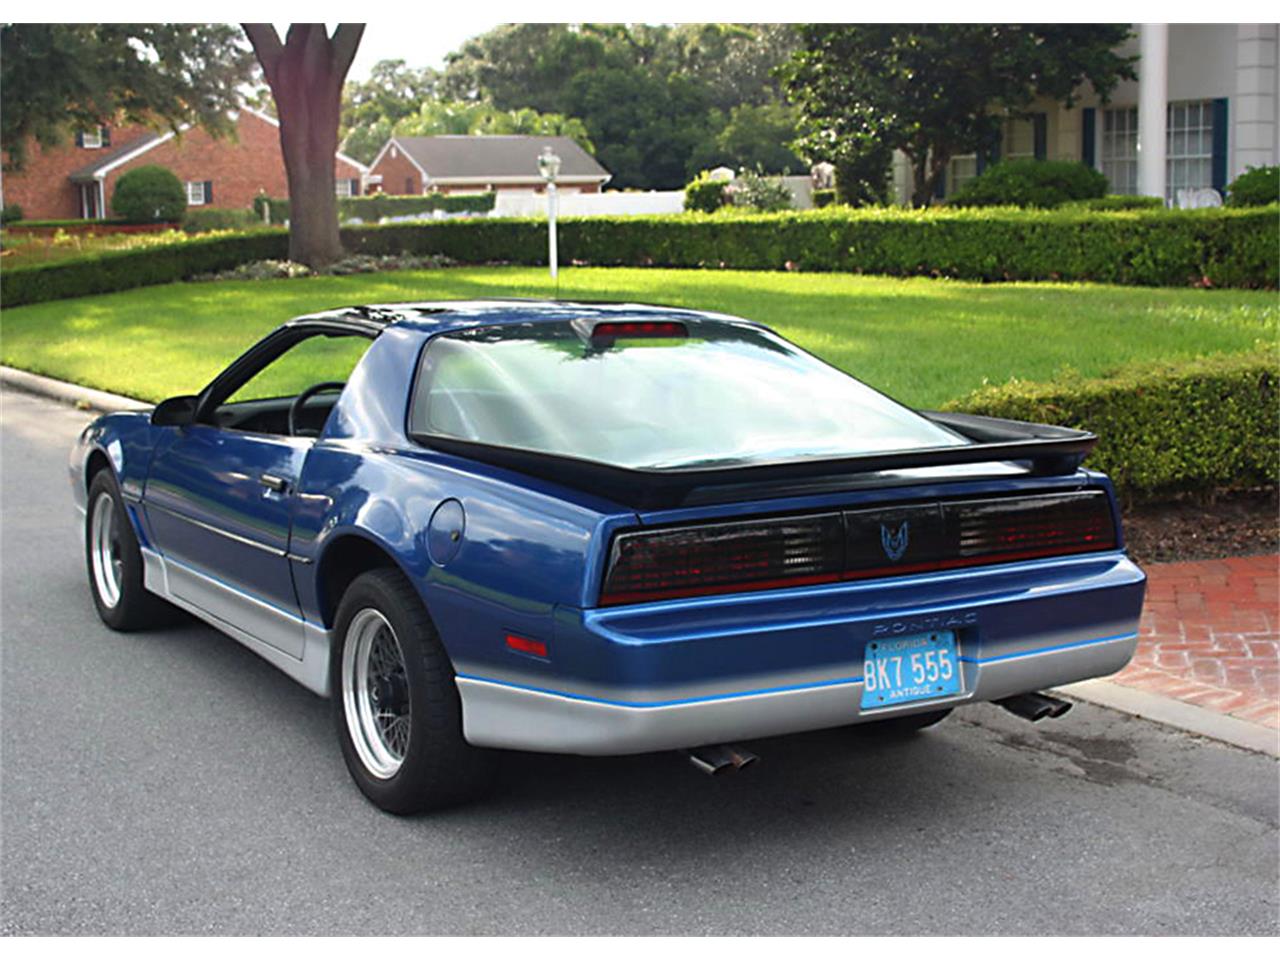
<point>295,408</point>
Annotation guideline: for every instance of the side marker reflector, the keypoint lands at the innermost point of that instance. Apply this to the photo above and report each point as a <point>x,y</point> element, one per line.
<point>524,645</point>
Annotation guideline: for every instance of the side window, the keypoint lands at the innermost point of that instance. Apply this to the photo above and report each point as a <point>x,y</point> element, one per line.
<point>315,360</point>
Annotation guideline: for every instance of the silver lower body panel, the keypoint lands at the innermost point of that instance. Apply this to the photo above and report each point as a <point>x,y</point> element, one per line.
<point>271,633</point>
<point>508,716</point>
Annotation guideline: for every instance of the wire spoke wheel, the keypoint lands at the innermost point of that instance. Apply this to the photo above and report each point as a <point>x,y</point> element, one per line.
<point>375,693</point>
<point>105,550</point>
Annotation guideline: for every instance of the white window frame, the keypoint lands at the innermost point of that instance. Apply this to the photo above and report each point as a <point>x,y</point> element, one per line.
<point>91,141</point>
<point>195,193</point>
<point>1188,147</point>
<point>960,171</point>
<point>1118,149</point>
<point>1013,127</point>
<point>342,187</point>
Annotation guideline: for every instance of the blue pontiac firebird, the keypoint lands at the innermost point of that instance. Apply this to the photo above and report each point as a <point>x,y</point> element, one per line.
<point>600,529</point>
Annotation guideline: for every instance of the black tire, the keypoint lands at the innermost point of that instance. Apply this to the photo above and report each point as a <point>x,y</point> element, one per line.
<point>133,608</point>
<point>438,767</point>
<point>904,726</point>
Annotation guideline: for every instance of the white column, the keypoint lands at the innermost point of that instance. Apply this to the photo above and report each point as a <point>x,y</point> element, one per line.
<point>1254,112</point>
<point>1153,101</point>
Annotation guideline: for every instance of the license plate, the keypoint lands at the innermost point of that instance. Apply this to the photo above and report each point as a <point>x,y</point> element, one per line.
<point>923,666</point>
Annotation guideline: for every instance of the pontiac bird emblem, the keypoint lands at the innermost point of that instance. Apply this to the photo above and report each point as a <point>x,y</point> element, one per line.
<point>895,544</point>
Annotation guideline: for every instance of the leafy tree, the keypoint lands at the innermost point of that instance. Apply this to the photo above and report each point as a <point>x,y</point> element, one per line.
<point>306,73</point>
<point>56,78</point>
<point>150,193</point>
<point>935,91</point>
<point>435,118</point>
<point>653,98</point>
<point>371,108</point>
<point>645,127</point>
<point>756,136</point>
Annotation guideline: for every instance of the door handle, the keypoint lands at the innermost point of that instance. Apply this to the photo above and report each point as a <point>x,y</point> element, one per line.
<point>272,482</point>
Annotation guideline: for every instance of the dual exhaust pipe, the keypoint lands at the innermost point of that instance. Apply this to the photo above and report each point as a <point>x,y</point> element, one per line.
<point>720,758</point>
<point>1035,706</point>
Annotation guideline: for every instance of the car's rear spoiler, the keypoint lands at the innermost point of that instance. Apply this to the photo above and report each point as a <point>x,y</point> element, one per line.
<point>1045,449</point>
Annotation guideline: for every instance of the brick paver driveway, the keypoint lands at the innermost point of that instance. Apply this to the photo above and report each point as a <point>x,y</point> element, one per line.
<point>1211,636</point>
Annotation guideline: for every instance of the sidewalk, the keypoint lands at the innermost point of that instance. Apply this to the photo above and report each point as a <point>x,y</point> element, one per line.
<point>1210,636</point>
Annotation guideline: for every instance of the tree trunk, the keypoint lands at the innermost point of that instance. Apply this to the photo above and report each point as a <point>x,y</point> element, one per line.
<point>926,167</point>
<point>306,74</point>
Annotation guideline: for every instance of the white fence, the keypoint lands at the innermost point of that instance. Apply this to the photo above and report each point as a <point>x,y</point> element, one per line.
<point>510,203</point>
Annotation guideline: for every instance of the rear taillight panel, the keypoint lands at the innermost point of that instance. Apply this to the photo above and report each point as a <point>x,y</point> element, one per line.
<point>771,553</point>
<point>723,557</point>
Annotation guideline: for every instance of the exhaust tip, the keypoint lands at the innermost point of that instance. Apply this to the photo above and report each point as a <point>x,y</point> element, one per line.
<point>720,758</point>
<point>1035,706</point>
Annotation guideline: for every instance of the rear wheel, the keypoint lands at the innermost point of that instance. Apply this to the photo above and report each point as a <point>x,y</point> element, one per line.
<point>905,725</point>
<point>395,703</point>
<point>114,561</point>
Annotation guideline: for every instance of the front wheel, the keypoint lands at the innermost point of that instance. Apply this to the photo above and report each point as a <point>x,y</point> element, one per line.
<point>114,561</point>
<point>395,703</point>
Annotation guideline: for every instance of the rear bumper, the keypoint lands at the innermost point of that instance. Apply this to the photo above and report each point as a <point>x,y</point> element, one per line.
<point>518,718</point>
<point>680,674</point>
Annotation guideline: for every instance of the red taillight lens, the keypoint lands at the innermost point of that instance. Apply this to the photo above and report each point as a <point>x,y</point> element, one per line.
<point>1021,528</point>
<point>895,540</point>
<point>722,557</point>
<point>611,330</point>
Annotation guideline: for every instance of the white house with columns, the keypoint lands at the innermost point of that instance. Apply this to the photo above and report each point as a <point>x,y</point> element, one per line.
<point>1205,107</point>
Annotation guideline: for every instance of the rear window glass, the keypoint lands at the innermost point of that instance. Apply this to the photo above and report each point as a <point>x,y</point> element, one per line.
<point>724,394</point>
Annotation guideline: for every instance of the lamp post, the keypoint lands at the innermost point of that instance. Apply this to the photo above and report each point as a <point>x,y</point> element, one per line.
<point>549,168</point>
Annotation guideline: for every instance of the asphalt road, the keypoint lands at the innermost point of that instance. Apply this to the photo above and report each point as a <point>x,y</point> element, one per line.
<point>172,782</point>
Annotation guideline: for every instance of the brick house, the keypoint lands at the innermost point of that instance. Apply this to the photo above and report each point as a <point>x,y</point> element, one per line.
<point>76,180</point>
<point>479,164</point>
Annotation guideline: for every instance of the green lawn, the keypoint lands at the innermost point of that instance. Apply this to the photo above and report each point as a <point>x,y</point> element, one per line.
<point>923,341</point>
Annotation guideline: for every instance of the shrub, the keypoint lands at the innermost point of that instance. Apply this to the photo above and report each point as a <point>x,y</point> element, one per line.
<point>205,219</point>
<point>1256,187</point>
<point>755,191</point>
<point>1197,425</point>
<point>1223,248</point>
<point>373,208</point>
<point>705,195</point>
<point>1117,201</point>
<point>1030,183</point>
<point>112,270</point>
<point>823,198</point>
<point>10,213</point>
<point>151,194</point>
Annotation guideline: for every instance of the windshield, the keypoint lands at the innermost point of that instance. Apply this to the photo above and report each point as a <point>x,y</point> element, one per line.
<point>724,394</point>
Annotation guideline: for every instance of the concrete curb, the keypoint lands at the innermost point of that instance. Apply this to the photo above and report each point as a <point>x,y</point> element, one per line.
<point>1175,713</point>
<point>84,398</point>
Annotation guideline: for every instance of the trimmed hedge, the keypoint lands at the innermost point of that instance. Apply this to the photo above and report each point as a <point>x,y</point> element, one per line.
<point>1256,187</point>
<point>1031,183</point>
<point>704,195</point>
<point>1118,201</point>
<point>379,205</point>
<point>1206,424</point>
<point>1222,248</point>
<point>150,194</point>
<point>113,270</point>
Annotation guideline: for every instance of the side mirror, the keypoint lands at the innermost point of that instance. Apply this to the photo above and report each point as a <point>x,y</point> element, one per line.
<point>174,412</point>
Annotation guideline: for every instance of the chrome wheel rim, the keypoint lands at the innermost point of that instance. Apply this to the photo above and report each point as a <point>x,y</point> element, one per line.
<point>375,693</point>
<point>104,550</point>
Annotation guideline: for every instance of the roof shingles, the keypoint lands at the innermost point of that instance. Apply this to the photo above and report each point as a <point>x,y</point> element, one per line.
<point>497,156</point>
